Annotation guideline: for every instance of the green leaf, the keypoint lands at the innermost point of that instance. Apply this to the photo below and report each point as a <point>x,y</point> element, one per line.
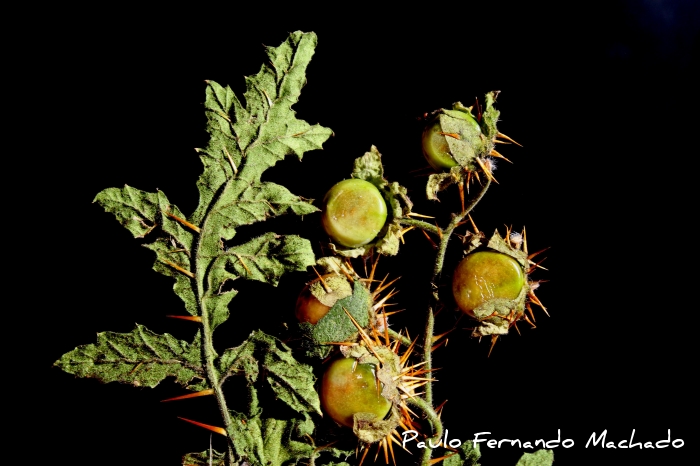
<point>336,326</point>
<point>273,442</point>
<point>246,141</point>
<point>141,358</point>
<point>538,458</point>
<point>202,459</point>
<point>264,259</point>
<point>467,455</point>
<point>141,212</point>
<point>292,382</point>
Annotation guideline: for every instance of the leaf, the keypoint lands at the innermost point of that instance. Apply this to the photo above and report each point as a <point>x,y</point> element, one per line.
<point>538,458</point>
<point>292,382</point>
<point>467,455</point>
<point>140,358</point>
<point>246,141</point>
<point>202,459</point>
<point>335,326</point>
<point>273,442</point>
<point>264,259</point>
<point>142,212</point>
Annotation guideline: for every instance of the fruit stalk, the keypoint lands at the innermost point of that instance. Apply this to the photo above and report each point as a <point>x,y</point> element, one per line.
<point>426,404</point>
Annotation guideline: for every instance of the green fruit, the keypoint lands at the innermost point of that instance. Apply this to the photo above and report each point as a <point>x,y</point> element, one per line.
<point>349,388</point>
<point>354,212</point>
<point>436,149</point>
<point>486,275</point>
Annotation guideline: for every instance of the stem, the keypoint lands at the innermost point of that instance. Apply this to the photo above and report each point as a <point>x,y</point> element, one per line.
<point>434,420</point>
<point>419,223</point>
<point>210,355</point>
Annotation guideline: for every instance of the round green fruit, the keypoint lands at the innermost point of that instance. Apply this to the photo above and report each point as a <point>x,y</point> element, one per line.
<point>436,150</point>
<point>348,388</point>
<point>486,275</point>
<point>354,212</point>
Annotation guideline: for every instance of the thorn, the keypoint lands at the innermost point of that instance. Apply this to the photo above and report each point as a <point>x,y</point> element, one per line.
<point>486,170</point>
<point>209,391</point>
<point>413,214</point>
<point>190,318</point>
<point>240,259</point>
<point>515,324</point>
<point>438,410</point>
<point>525,241</point>
<point>184,222</point>
<point>536,300</point>
<point>374,267</point>
<point>230,160</point>
<point>381,287</point>
<point>217,430</point>
<point>439,230</point>
<point>437,460</point>
<point>532,314</point>
<point>452,135</point>
<point>494,338</point>
<point>528,321</point>
<point>538,252</point>
<point>536,266</point>
<point>404,231</point>
<point>364,336</point>
<point>494,153</point>
<point>478,109</point>
<point>364,454</point>
<point>461,194</point>
<point>180,269</point>
<point>501,135</point>
<point>430,239</point>
<point>476,230</point>
<point>323,282</point>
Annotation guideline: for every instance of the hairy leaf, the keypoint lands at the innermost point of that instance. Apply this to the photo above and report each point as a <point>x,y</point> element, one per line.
<point>335,326</point>
<point>264,259</point>
<point>140,358</point>
<point>292,382</point>
<point>270,441</point>
<point>538,458</point>
<point>202,459</point>
<point>141,213</point>
<point>467,455</point>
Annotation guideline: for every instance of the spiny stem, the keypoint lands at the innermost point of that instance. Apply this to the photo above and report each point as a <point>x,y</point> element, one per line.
<point>434,419</point>
<point>418,223</point>
<point>430,318</point>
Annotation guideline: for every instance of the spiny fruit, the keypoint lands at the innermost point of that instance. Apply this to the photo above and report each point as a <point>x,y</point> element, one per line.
<point>491,284</point>
<point>486,275</point>
<point>354,212</point>
<point>349,388</point>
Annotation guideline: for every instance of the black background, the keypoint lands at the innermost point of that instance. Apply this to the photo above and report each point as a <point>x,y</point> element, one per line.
<point>603,180</point>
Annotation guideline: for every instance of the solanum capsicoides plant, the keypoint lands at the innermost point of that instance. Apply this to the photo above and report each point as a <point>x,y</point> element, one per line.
<point>206,259</point>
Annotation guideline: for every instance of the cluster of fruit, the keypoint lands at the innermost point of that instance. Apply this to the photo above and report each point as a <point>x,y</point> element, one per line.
<point>366,387</point>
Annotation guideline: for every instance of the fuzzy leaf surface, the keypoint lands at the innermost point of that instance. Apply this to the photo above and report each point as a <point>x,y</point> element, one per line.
<point>202,459</point>
<point>270,441</point>
<point>245,141</point>
<point>264,259</point>
<point>467,455</point>
<point>538,458</point>
<point>141,358</point>
<point>336,326</point>
<point>142,212</point>
<point>292,382</point>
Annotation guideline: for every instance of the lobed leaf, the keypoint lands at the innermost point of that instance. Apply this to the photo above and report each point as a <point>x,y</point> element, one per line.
<point>538,458</point>
<point>141,212</point>
<point>264,259</point>
<point>140,358</point>
<point>292,382</point>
